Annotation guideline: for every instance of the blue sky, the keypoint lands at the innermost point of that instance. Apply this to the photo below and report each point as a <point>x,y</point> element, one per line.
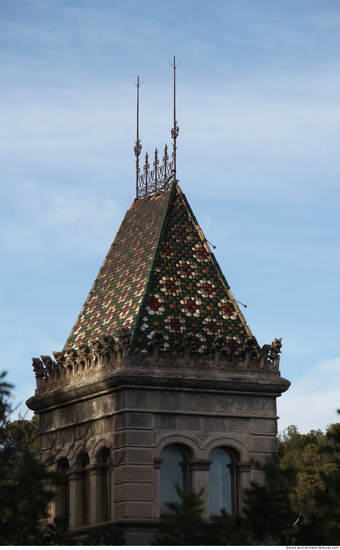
<point>259,116</point>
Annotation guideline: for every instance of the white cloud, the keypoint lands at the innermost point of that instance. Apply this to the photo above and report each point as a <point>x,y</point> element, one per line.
<point>48,216</point>
<point>313,400</point>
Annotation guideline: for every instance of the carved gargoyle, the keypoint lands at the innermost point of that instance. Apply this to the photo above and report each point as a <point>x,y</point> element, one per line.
<point>84,352</point>
<point>98,349</point>
<point>156,345</point>
<point>109,343</point>
<point>124,337</point>
<point>249,350</point>
<point>71,358</point>
<point>60,364</point>
<point>60,358</point>
<point>71,354</point>
<point>49,364</point>
<point>275,350</point>
<point>188,343</point>
<point>84,356</point>
<point>38,367</point>
<point>271,353</point>
<point>123,341</point>
<point>221,350</point>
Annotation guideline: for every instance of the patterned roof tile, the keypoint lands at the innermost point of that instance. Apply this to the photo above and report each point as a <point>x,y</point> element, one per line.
<point>160,275</point>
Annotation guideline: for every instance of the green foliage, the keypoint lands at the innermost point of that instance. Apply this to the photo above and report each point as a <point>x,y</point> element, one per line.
<point>109,535</point>
<point>315,493</point>
<point>24,496</point>
<point>58,533</point>
<point>184,526</point>
<point>227,531</point>
<point>267,510</point>
<point>299,503</point>
<point>23,493</point>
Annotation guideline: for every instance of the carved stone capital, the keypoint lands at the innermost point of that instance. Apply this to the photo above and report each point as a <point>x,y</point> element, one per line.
<point>157,462</point>
<point>200,464</point>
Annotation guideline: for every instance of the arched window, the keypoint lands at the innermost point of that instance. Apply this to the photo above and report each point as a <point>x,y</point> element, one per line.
<point>105,483</point>
<point>82,464</point>
<point>222,489</point>
<point>174,470</point>
<point>62,497</point>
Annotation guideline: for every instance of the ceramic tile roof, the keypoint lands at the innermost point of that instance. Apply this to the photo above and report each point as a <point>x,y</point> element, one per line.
<point>117,292</point>
<point>160,275</point>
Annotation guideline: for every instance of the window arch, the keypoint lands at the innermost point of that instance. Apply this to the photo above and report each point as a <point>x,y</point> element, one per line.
<point>222,482</point>
<point>63,490</point>
<point>103,459</point>
<point>82,464</point>
<point>174,471</point>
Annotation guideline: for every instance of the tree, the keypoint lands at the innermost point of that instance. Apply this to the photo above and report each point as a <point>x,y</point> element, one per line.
<point>24,435</point>
<point>23,494</point>
<point>184,526</point>
<point>315,494</point>
<point>267,511</point>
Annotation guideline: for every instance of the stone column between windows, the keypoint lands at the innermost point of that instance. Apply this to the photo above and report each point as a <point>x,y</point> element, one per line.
<point>243,483</point>
<point>111,489</point>
<point>75,498</point>
<point>52,508</point>
<point>200,480</point>
<point>157,462</point>
<point>95,472</point>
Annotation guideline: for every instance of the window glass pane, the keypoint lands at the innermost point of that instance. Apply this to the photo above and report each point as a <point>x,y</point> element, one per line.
<point>219,483</point>
<point>173,470</point>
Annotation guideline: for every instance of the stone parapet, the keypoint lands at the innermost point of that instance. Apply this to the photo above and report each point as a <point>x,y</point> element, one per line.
<point>72,365</point>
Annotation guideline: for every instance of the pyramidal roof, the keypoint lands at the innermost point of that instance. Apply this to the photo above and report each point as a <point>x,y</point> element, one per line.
<point>160,275</point>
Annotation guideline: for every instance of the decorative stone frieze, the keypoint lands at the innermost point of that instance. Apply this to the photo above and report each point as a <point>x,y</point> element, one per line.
<point>200,402</point>
<point>72,365</point>
<point>263,426</point>
<point>264,443</point>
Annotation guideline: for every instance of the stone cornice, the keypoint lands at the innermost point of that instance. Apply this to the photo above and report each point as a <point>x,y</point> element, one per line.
<point>156,378</point>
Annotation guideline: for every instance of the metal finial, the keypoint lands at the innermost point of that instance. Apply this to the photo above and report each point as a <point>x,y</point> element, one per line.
<point>138,145</point>
<point>155,170</point>
<point>160,178</point>
<point>175,129</point>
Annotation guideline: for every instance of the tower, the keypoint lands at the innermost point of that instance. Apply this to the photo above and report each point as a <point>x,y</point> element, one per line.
<point>161,380</point>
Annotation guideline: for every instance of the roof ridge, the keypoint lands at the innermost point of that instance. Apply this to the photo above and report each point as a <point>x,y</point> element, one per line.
<point>149,279</point>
